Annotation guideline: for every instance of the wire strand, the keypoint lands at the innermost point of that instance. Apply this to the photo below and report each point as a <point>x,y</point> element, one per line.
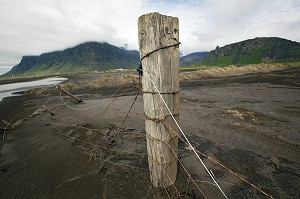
<point>185,137</point>
<point>87,108</point>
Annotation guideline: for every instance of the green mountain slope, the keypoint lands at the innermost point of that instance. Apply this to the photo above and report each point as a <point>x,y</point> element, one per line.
<point>253,51</point>
<point>88,56</point>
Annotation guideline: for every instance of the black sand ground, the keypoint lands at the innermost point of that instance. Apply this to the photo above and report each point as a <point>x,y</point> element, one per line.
<point>249,123</point>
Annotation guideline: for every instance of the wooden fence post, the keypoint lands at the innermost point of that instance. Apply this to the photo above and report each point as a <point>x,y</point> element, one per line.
<point>159,53</point>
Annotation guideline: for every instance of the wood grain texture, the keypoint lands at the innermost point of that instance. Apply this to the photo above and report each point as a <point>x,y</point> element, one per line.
<point>162,67</point>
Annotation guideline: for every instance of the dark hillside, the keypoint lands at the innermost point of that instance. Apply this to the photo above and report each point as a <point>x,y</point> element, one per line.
<point>88,56</point>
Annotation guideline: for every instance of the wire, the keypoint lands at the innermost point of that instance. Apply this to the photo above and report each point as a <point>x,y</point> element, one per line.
<point>185,136</point>
<point>100,146</point>
<point>9,123</point>
<point>130,109</point>
<point>220,164</point>
<point>82,109</point>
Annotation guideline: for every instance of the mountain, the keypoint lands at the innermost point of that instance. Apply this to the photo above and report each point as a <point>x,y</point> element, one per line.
<point>253,51</point>
<point>95,56</point>
<point>192,58</point>
<point>88,56</point>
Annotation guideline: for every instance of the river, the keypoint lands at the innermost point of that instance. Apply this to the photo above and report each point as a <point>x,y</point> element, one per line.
<point>7,90</point>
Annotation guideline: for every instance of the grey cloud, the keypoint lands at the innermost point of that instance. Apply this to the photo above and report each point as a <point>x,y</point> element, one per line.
<point>32,27</point>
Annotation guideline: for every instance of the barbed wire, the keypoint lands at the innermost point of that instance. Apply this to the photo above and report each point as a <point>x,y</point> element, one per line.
<point>92,107</point>
<point>100,146</point>
<point>185,137</point>
<point>93,129</point>
<point>93,155</point>
<point>186,141</point>
<point>220,164</point>
<point>25,110</point>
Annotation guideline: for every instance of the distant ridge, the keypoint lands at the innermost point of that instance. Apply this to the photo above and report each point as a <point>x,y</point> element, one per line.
<point>253,51</point>
<point>96,56</point>
<point>192,58</point>
<point>89,56</point>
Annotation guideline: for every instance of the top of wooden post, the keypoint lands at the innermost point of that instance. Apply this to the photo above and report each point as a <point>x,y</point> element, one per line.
<point>164,29</point>
<point>159,50</point>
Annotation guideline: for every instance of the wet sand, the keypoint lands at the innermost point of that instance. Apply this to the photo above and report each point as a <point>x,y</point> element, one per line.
<point>249,123</point>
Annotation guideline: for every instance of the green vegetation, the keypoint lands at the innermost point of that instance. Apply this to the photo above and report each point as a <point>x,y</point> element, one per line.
<point>96,57</point>
<point>253,51</point>
<point>86,57</point>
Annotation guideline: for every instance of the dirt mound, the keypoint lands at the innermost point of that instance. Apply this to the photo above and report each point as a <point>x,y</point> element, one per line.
<point>236,70</point>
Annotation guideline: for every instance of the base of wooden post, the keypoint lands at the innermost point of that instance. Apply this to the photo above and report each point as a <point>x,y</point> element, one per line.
<point>162,152</point>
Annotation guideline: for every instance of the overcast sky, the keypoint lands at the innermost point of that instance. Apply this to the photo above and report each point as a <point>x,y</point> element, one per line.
<point>31,27</point>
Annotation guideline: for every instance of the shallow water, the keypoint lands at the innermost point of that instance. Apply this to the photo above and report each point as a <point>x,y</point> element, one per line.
<point>7,90</point>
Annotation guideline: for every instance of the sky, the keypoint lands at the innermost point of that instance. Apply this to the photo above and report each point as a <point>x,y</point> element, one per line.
<point>32,27</point>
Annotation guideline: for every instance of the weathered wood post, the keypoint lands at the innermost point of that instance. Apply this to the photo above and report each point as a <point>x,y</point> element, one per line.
<point>159,53</point>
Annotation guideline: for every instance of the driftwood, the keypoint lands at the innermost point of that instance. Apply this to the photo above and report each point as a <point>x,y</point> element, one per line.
<point>68,93</point>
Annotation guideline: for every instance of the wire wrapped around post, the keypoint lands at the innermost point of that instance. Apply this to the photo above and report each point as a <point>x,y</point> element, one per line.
<point>159,55</point>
